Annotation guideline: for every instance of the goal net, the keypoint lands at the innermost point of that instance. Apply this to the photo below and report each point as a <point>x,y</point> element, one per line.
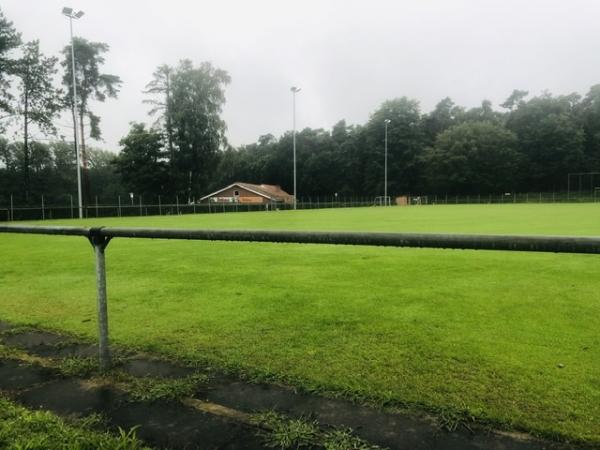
<point>383,201</point>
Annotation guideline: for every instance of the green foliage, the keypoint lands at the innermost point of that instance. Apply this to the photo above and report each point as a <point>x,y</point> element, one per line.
<point>142,164</point>
<point>197,98</point>
<point>445,115</point>
<point>531,147</point>
<point>159,90</point>
<point>589,112</point>
<point>551,139</point>
<point>78,367</point>
<point>189,101</point>
<point>91,83</point>
<point>38,101</point>
<point>515,99</point>
<point>153,389</point>
<point>474,157</point>
<point>22,429</point>
<point>286,433</point>
<point>52,172</point>
<point>344,439</point>
<point>405,146</point>
<point>9,40</point>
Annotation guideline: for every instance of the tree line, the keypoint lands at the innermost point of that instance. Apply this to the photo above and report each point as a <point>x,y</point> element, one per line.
<point>37,159</point>
<point>530,144</point>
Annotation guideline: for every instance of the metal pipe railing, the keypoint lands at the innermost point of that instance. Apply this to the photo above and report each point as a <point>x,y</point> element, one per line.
<point>99,237</point>
<point>551,244</point>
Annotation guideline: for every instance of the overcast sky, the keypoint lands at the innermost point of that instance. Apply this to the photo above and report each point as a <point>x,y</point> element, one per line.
<point>348,56</point>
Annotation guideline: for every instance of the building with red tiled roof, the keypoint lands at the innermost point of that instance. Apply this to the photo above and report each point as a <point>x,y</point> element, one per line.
<point>249,193</point>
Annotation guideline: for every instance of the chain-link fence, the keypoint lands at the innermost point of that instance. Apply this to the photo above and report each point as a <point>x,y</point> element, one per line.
<point>137,206</point>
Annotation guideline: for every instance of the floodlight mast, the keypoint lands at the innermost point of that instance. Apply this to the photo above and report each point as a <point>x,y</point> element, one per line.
<point>385,183</point>
<point>294,90</point>
<point>72,15</point>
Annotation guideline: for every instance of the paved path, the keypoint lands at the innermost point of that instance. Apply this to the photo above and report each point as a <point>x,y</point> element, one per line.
<point>177,425</point>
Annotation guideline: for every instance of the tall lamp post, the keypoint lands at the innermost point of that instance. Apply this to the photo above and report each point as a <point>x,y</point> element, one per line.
<point>75,15</point>
<point>385,183</point>
<point>294,90</point>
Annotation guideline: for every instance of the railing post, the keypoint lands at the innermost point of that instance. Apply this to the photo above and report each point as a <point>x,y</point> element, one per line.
<point>99,243</point>
<point>71,197</point>
<point>159,207</point>
<point>12,210</point>
<point>43,211</point>
<point>119,205</point>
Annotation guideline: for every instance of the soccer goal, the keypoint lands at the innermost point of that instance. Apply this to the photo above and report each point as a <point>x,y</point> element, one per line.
<point>419,200</point>
<point>383,201</point>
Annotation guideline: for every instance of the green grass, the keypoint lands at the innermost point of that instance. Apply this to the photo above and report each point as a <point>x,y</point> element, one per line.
<point>285,433</point>
<point>21,428</point>
<point>464,333</point>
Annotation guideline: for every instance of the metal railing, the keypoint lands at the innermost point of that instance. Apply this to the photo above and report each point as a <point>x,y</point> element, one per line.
<point>100,237</point>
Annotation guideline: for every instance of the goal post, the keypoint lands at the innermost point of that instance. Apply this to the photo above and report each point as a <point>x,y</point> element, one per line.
<point>586,183</point>
<point>383,201</point>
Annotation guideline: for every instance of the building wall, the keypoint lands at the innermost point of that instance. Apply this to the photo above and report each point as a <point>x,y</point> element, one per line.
<point>245,197</point>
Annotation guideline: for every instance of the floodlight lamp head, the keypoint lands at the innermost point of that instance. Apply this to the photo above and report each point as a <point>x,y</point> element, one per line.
<point>295,89</point>
<point>67,11</point>
<point>79,14</point>
<point>387,121</point>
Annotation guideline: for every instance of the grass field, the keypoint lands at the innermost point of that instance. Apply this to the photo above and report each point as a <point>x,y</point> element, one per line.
<point>24,429</point>
<point>507,337</point>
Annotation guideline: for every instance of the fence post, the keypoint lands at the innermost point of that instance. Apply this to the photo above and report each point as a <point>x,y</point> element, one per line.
<point>159,207</point>
<point>43,211</point>
<point>119,199</point>
<point>99,243</point>
<point>71,197</point>
<point>194,200</point>
<point>177,202</point>
<point>12,210</point>
<point>141,212</point>
<point>96,206</point>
